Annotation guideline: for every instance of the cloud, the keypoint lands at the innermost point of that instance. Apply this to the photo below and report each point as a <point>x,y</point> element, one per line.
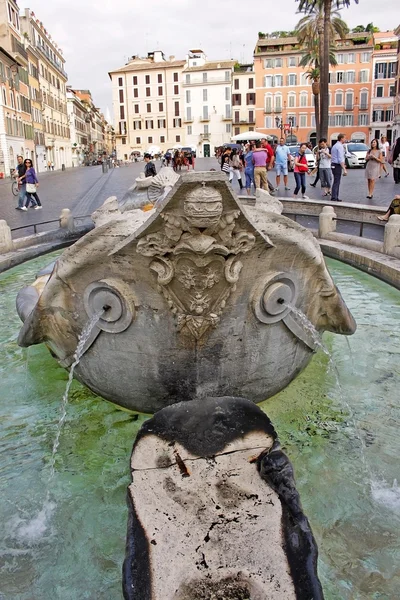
<point>97,37</point>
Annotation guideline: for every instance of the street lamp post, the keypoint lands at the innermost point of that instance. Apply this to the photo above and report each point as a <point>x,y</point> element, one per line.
<point>279,124</point>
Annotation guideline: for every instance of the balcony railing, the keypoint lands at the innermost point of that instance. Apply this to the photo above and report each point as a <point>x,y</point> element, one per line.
<point>188,120</point>
<point>205,136</point>
<point>204,119</point>
<point>18,47</point>
<point>227,118</point>
<point>268,110</point>
<point>278,109</point>
<point>363,106</point>
<point>50,59</point>
<point>349,107</point>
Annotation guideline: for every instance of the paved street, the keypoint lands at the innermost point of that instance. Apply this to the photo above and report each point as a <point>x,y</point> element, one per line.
<point>84,189</point>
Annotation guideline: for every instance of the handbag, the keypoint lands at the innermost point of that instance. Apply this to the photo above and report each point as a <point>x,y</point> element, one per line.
<point>31,188</point>
<point>396,163</point>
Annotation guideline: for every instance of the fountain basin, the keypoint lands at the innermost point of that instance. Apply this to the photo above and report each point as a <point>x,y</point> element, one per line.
<point>75,544</point>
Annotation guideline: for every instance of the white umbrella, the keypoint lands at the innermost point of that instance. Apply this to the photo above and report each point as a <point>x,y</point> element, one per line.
<point>154,150</point>
<point>250,135</point>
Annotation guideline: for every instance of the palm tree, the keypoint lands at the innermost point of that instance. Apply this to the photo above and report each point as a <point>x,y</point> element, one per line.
<point>323,24</point>
<point>370,28</point>
<point>313,75</point>
<point>310,58</point>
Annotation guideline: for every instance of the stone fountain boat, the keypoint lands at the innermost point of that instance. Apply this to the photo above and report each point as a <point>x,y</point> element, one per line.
<point>200,296</point>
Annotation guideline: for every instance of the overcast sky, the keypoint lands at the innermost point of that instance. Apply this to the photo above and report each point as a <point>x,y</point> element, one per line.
<point>98,36</point>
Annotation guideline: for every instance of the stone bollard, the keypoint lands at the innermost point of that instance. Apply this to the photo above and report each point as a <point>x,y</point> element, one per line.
<point>67,220</point>
<point>327,221</point>
<point>6,243</point>
<point>391,240</point>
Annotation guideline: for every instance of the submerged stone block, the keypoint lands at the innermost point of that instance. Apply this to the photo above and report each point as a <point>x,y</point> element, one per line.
<point>214,511</point>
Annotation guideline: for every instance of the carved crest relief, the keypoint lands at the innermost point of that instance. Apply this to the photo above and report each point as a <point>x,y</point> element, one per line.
<point>197,258</point>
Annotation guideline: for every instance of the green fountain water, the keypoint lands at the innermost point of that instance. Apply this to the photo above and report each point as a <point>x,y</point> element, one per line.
<point>67,542</point>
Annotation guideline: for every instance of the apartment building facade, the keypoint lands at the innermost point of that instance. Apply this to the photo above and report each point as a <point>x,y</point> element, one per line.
<point>243,99</point>
<point>396,103</point>
<point>147,104</point>
<point>284,93</point>
<point>36,109</point>
<point>207,87</point>
<point>52,82</point>
<point>79,124</point>
<point>95,125</point>
<point>384,85</point>
<point>16,130</point>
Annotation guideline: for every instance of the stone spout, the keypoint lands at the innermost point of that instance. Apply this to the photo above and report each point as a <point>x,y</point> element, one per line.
<point>214,511</point>
<point>335,316</point>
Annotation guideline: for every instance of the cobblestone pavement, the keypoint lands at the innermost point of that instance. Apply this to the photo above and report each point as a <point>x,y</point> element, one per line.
<point>84,189</point>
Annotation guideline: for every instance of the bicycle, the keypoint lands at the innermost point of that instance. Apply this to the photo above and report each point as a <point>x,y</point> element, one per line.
<point>14,184</point>
<point>15,188</point>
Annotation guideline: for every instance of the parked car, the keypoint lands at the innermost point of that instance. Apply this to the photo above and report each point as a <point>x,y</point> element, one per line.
<point>309,156</point>
<point>355,153</point>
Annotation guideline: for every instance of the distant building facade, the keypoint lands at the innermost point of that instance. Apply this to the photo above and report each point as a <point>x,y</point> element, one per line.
<point>243,99</point>
<point>147,104</point>
<point>284,91</point>
<point>384,85</point>
<point>207,87</point>
<point>52,82</point>
<point>16,129</point>
<point>396,103</point>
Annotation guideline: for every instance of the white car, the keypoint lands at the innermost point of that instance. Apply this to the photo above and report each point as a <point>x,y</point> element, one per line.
<point>309,156</point>
<point>355,154</point>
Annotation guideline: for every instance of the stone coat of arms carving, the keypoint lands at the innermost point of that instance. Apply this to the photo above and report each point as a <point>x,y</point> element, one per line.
<point>197,258</point>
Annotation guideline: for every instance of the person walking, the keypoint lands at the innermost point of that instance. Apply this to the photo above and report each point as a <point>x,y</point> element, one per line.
<point>300,170</point>
<point>237,167</point>
<point>149,168</point>
<point>384,147</point>
<point>249,168</point>
<point>32,184</point>
<point>374,164</point>
<point>20,170</point>
<point>324,169</point>
<point>225,163</point>
<point>282,156</point>
<point>269,163</point>
<point>338,166</point>
<point>395,161</point>
<point>260,157</point>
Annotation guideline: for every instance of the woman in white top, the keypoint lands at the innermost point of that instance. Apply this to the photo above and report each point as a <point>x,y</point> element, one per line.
<point>384,147</point>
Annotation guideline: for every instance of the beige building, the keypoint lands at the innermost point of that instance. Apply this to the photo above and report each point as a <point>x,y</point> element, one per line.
<point>147,104</point>
<point>52,81</point>
<point>36,109</point>
<point>383,85</point>
<point>243,99</point>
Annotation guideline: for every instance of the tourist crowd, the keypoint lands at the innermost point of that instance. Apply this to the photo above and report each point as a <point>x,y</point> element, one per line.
<point>251,163</point>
